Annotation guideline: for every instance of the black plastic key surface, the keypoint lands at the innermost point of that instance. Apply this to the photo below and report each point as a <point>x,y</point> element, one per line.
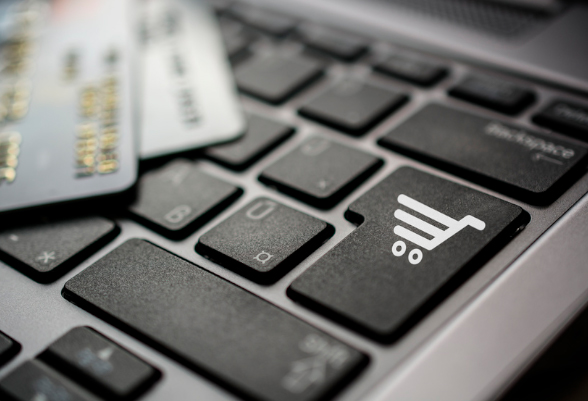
<point>320,171</point>
<point>212,326</point>
<point>341,45</point>
<point>8,348</point>
<point>47,250</point>
<point>418,234</point>
<point>262,135</point>
<point>100,364</point>
<point>264,239</point>
<point>34,381</point>
<point>493,93</point>
<point>514,160</point>
<point>236,38</point>
<point>274,78</point>
<point>179,197</point>
<point>267,21</point>
<point>414,69</point>
<point>565,117</point>
<point>352,106</point>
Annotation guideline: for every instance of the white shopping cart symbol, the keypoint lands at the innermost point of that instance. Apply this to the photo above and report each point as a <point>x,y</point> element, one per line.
<point>439,236</point>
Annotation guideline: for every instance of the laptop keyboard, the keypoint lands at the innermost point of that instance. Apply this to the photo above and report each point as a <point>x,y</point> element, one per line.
<point>372,183</point>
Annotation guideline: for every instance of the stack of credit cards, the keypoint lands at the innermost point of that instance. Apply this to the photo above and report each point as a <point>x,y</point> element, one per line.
<point>88,88</point>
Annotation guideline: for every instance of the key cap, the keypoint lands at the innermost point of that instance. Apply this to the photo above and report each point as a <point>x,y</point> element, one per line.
<point>493,93</point>
<point>178,198</point>
<point>565,117</point>
<point>100,364</point>
<point>320,172</point>
<point>341,45</point>
<point>520,162</point>
<point>212,326</point>
<point>275,78</point>
<point>278,238</point>
<point>237,43</point>
<point>418,232</point>
<point>220,6</point>
<point>266,21</point>
<point>8,348</point>
<point>413,69</point>
<point>34,381</point>
<point>262,136</point>
<point>46,251</point>
<point>352,106</point>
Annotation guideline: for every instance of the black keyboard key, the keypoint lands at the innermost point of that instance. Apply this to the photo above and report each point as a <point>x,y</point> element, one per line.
<point>417,233</point>
<point>34,381</point>
<point>512,159</point>
<point>236,37</point>
<point>414,69</point>
<point>212,326</point>
<point>220,6</point>
<point>493,93</point>
<point>46,251</point>
<point>262,135</point>
<point>100,364</point>
<point>352,106</point>
<point>341,45</point>
<point>267,21</point>
<point>275,78</point>
<point>8,348</point>
<point>179,197</point>
<point>565,117</point>
<point>278,238</point>
<point>320,172</point>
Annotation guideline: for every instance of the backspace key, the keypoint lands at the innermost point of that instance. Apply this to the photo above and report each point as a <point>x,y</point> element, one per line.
<point>529,165</point>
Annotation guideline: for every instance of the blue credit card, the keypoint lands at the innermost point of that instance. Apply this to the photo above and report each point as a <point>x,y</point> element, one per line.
<point>66,111</point>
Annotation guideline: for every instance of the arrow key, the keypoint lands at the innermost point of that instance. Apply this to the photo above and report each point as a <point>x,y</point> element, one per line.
<point>103,366</point>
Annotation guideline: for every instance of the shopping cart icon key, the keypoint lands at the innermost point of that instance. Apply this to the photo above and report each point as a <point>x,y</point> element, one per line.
<point>418,237</point>
<point>439,235</point>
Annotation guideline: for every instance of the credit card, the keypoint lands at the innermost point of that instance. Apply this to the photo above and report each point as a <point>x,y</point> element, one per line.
<point>66,117</point>
<point>188,96</point>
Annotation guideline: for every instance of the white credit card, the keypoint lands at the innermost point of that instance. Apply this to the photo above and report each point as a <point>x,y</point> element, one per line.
<point>188,96</point>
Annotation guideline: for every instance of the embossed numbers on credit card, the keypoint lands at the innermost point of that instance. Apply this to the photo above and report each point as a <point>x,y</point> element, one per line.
<point>65,102</point>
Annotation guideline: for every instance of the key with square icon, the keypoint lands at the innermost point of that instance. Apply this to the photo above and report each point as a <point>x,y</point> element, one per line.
<point>278,238</point>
